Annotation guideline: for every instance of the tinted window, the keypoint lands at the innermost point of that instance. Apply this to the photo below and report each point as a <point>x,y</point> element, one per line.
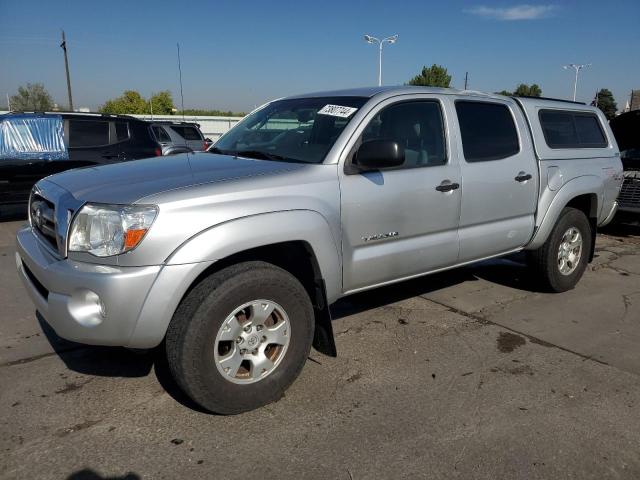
<point>565,129</point>
<point>188,133</point>
<point>160,134</point>
<point>88,133</point>
<point>417,126</point>
<point>122,131</point>
<point>488,131</point>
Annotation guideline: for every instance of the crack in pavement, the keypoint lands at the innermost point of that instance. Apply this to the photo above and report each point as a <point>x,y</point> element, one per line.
<point>531,338</point>
<point>626,299</point>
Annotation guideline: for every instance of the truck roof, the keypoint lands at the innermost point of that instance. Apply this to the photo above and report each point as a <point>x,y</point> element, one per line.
<point>389,91</point>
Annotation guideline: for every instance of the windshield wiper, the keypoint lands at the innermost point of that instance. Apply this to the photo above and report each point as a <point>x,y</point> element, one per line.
<point>217,150</point>
<point>257,154</point>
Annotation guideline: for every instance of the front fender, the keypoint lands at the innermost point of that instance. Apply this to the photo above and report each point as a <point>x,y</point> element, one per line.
<point>551,208</point>
<point>235,236</point>
<point>202,250</point>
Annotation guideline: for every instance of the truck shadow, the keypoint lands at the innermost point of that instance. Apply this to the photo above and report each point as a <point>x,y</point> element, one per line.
<point>116,362</point>
<point>122,362</point>
<point>509,272</point>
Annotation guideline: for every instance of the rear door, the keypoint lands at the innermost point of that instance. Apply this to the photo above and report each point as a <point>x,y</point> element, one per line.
<point>89,142</point>
<point>499,178</point>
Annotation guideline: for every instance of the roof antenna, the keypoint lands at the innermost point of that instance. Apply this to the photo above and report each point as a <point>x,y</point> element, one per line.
<point>180,71</point>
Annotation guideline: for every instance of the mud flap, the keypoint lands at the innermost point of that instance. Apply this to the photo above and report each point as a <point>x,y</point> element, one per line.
<point>323,340</point>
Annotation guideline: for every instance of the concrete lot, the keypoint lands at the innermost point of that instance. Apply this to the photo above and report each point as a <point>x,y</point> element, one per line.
<point>468,374</point>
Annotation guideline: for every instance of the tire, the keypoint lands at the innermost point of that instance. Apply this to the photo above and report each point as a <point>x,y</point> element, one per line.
<point>196,345</point>
<point>545,261</point>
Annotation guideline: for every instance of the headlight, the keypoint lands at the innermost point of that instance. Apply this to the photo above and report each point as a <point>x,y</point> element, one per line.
<point>105,230</point>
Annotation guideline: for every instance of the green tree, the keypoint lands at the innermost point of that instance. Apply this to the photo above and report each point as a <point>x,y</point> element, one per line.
<point>129,102</point>
<point>524,90</point>
<point>162,103</point>
<point>606,103</point>
<point>33,96</point>
<point>433,76</point>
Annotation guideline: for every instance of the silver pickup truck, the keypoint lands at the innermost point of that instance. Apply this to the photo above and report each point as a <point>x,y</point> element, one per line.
<point>232,257</point>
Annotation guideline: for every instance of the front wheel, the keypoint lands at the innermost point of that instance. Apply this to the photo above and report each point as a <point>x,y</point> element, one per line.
<point>562,260</point>
<point>240,337</point>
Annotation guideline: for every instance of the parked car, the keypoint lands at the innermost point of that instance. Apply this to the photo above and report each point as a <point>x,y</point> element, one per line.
<point>626,128</point>
<point>233,256</point>
<point>35,145</point>
<point>179,137</point>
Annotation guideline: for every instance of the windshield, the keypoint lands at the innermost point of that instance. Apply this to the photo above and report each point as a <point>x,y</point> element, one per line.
<point>295,130</point>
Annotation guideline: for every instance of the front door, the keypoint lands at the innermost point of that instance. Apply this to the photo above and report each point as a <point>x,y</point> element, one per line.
<point>401,222</point>
<point>499,178</point>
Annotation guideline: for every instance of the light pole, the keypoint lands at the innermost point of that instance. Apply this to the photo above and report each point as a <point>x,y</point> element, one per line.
<point>389,40</point>
<point>577,68</point>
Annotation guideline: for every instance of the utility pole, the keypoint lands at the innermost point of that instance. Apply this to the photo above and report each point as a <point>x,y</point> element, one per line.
<point>8,103</point>
<point>63,45</point>
<point>466,79</point>
<point>180,70</point>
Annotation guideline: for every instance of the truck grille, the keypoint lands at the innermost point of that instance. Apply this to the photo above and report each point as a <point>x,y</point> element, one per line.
<point>42,216</point>
<point>630,192</point>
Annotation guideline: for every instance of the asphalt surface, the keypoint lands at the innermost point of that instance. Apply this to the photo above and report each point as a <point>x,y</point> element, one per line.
<point>467,374</point>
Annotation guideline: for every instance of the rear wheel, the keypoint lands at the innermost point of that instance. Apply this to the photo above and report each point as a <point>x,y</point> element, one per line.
<point>562,260</point>
<point>240,337</point>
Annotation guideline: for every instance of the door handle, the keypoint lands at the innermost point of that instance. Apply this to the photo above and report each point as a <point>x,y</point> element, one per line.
<point>523,177</point>
<point>447,187</point>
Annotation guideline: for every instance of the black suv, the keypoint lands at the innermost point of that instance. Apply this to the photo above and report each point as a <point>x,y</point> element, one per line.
<point>35,145</point>
<point>626,129</point>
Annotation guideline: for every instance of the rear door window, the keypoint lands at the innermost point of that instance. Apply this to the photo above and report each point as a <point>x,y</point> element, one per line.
<point>88,133</point>
<point>122,131</point>
<point>188,133</point>
<point>488,131</point>
<point>160,134</point>
<point>567,129</point>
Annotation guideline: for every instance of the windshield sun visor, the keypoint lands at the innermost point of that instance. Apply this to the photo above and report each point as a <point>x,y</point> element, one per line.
<point>27,137</point>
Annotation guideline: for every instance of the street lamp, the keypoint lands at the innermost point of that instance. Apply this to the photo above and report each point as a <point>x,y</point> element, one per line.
<point>577,68</point>
<point>389,40</point>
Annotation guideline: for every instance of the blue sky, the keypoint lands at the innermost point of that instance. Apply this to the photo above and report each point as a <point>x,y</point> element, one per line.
<point>236,54</point>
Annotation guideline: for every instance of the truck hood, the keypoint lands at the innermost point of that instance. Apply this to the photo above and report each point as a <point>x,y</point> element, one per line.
<point>128,182</point>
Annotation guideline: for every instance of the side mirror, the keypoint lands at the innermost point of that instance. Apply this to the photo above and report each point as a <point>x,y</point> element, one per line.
<point>376,154</point>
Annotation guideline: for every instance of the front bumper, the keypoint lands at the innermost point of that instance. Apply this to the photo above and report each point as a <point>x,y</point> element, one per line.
<point>86,303</point>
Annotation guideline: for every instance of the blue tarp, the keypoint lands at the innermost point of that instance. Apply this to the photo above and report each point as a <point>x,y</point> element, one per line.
<point>28,137</point>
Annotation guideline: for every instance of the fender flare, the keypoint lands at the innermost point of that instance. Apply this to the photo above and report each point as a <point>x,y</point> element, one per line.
<point>220,241</point>
<point>584,185</point>
<point>235,236</point>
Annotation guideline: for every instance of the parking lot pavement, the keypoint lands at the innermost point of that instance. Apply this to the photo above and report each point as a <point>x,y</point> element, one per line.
<point>467,374</point>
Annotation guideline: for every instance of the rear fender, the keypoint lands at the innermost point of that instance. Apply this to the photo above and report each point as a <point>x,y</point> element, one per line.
<point>584,185</point>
